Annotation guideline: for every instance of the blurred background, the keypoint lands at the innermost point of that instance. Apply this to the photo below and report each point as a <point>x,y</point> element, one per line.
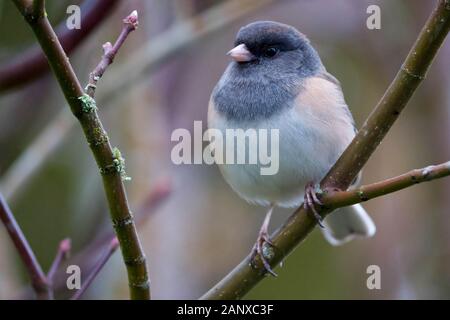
<point>161,80</point>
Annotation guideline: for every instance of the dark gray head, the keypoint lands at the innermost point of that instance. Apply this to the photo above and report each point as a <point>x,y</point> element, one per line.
<point>273,44</point>
<point>270,60</point>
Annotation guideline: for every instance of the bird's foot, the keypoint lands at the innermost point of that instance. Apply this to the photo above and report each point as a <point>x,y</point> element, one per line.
<point>311,201</point>
<point>263,248</point>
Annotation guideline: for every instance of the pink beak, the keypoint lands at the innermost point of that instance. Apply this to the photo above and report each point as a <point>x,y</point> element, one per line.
<point>241,53</point>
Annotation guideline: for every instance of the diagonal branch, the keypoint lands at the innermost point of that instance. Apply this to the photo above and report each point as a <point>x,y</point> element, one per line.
<point>32,63</point>
<point>338,199</point>
<point>245,276</point>
<point>155,198</point>
<point>61,255</point>
<point>39,6</point>
<point>182,36</point>
<point>112,247</point>
<point>130,24</point>
<point>38,279</point>
<point>109,160</point>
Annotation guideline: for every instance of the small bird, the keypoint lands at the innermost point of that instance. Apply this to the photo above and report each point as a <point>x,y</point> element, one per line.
<point>276,80</point>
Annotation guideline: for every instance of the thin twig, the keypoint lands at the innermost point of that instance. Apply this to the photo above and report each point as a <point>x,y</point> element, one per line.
<point>61,255</point>
<point>181,37</point>
<point>245,275</point>
<point>31,63</point>
<point>109,160</point>
<point>338,199</point>
<point>112,247</point>
<point>37,276</point>
<point>156,197</point>
<point>130,24</point>
<point>158,194</point>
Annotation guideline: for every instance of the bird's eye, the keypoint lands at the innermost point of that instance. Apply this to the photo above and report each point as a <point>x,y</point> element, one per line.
<point>270,52</point>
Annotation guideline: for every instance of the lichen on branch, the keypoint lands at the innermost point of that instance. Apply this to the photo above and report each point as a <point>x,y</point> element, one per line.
<point>84,109</point>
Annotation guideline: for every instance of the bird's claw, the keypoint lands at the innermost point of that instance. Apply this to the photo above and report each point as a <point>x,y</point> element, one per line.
<point>259,250</point>
<point>310,201</point>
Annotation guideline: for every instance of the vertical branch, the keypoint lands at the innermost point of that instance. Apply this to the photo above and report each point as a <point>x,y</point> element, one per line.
<point>38,279</point>
<point>109,160</point>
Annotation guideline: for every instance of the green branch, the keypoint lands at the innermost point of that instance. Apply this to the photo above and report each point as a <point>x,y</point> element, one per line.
<point>85,111</point>
<point>247,274</point>
<point>337,199</point>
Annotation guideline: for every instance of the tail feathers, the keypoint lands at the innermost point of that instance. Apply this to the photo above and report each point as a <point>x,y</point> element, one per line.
<point>348,223</point>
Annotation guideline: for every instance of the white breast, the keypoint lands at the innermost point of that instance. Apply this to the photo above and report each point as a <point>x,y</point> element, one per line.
<point>312,135</point>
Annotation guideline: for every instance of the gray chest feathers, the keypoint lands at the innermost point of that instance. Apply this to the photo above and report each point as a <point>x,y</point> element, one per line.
<point>247,99</point>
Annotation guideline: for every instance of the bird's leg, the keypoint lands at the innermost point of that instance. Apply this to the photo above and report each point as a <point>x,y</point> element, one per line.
<point>264,238</point>
<point>310,201</point>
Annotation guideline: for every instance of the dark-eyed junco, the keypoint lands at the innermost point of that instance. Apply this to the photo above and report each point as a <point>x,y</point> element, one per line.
<point>277,81</point>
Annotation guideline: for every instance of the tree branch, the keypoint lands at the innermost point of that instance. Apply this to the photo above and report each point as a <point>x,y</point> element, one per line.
<point>39,7</point>
<point>112,247</point>
<point>247,274</point>
<point>130,24</point>
<point>109,161</point>
<point>31,64</point>
<point>158,194</point>
<point>338,199</point>
<point>61,255</point>
<point>38,279</point>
